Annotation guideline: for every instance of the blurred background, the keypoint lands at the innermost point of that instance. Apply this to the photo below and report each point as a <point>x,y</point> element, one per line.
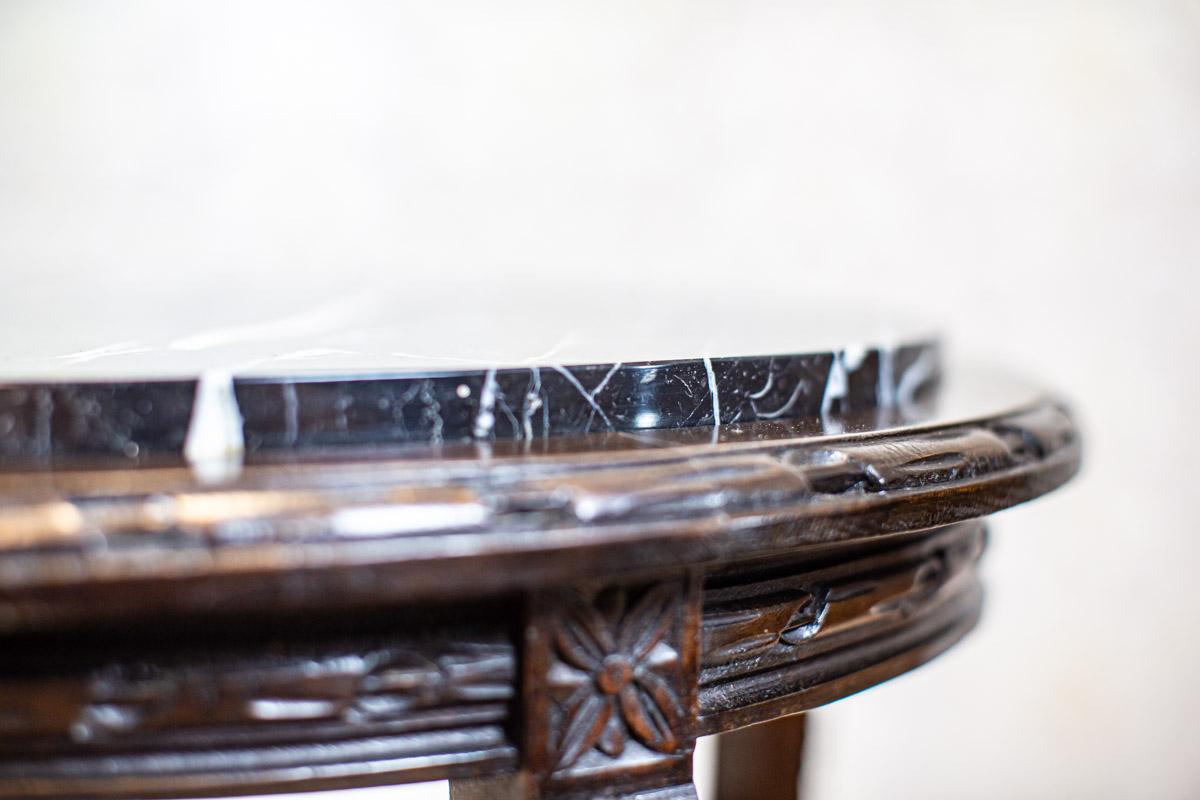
<point>1025,175</point>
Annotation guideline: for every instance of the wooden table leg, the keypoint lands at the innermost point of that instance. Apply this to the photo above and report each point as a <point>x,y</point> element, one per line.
<point>609,695</point>
<point>761,762</point>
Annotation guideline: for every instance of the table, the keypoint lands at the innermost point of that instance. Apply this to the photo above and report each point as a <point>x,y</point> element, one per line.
<point>539,578</point>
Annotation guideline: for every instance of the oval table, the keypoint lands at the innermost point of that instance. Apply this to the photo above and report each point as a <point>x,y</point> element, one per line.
<point>536,578</point>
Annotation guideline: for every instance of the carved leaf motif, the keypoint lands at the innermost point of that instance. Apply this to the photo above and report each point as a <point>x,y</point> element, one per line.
<point>806,621</point>
<point>923,584</point>
<point>658,688</point>
<point>791,617</point>
<point>577,648</point>
<point>612,741</point>
<point>659,701</point>
<point>647,621</point>
<point>647,720</point>
<point>584,728</point>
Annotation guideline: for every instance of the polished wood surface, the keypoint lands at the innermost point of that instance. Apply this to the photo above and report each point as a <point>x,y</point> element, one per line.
<point>761,762</point>
<point>560,623</point>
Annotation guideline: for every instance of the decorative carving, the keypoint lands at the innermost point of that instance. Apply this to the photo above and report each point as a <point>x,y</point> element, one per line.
<point>394,520</point>
<point>366,688</point>
<point>610,680</point>
<point>617,673</point>
<point>774,619</point>
<point>749,618</point>
<point>387,596</point>
<point>360,689</point>
<point>756,624</point>
<point>739,631</point>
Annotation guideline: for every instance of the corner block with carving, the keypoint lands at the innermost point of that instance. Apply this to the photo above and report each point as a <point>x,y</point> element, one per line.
<point>611,687</point>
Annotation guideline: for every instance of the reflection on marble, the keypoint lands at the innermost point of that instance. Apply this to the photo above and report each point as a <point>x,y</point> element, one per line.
<point>316,413</point>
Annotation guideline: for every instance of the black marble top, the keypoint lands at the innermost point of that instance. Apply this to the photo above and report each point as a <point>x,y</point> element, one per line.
<point>218,414</point>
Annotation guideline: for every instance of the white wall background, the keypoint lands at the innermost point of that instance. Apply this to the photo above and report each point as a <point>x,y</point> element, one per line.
<point>1026,174</point>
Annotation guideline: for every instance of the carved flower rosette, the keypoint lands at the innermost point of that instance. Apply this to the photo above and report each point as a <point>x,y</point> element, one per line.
<point>615,681</point>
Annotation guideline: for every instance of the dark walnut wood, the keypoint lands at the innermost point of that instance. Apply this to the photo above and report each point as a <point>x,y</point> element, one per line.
<point>762,761</point>
<point>560,623</point>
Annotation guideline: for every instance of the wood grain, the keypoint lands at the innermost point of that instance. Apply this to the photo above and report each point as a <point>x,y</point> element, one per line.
<point>558,626</point>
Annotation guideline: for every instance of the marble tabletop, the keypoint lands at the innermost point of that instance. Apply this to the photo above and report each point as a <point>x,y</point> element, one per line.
<point>380,370</point>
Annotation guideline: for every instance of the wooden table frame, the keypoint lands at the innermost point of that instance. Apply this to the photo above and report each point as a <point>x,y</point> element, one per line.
<point>561,626</point>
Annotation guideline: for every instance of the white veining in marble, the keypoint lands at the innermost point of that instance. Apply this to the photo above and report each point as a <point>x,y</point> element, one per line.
<point>214,446</point>
<point>590,397</point>
<point>917,373</point>
<point>485,419</point>
<point>715,393</point>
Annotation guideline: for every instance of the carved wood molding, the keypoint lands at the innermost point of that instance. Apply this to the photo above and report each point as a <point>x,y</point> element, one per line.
<point>563,625</point>
<point>782,636</point>
<point>301,536</point>
<point>616,681</point>
<point>160,718</point>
